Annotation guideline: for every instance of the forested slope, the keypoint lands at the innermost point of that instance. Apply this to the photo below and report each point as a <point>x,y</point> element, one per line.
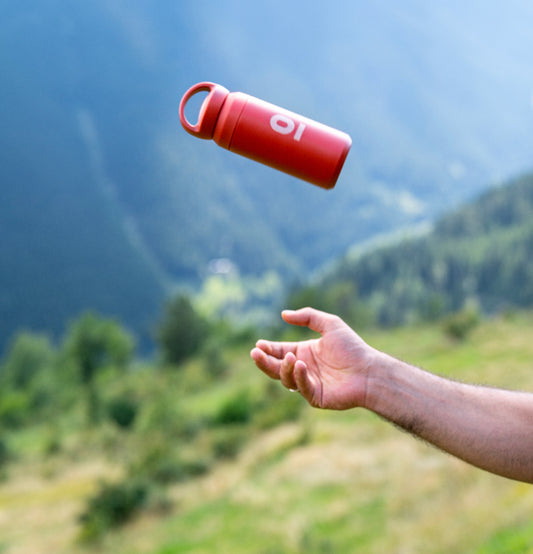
<point>482,253</point>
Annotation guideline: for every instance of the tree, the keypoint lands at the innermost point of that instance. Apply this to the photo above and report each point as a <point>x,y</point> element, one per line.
<point>25,378</point>
<point>28,354</point>
<point>182,331</point>
<point>93,343</point>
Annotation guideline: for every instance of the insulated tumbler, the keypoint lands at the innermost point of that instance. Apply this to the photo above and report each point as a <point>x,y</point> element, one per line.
<point>268,134</point>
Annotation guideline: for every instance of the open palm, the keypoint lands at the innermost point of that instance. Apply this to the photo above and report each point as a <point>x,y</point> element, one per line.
<point>330,372</point>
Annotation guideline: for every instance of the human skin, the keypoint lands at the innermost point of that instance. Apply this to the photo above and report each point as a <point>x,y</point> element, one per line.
<point>487,427</point>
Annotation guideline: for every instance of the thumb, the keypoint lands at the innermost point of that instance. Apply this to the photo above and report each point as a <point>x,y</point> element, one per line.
<point>314,319</point>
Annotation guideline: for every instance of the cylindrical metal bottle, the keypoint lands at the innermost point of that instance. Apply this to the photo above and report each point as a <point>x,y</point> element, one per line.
<point>268,134</point>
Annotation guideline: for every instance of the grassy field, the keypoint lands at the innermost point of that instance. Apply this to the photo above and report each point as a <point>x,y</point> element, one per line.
<point>319,482</point>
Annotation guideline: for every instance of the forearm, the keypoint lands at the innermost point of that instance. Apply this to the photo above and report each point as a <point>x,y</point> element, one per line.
<point>489,428</point>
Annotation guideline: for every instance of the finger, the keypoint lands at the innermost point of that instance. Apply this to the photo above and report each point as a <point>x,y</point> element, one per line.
<point>286,371</point>
<point>314,319</point>
<point>266,363</point>
<point>307,385</point>
<point>277,349</point>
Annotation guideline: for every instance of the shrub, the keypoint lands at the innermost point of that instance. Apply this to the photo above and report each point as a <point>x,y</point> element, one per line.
<point>161,465</point>
<point>111,506</point>
<point>229,441</point>
<point>14,408</point>
<point>236,410</point>
<point>123,411</point>
<point>460,324</point>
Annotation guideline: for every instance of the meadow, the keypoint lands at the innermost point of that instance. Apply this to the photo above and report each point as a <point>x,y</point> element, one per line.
<point>237,464</point>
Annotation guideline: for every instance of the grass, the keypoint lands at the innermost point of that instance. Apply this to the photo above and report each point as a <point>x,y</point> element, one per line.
<point>323,482</point>
<point>516,539</point>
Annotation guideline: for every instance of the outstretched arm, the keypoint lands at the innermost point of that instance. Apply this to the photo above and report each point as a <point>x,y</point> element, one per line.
<point>489,428</point>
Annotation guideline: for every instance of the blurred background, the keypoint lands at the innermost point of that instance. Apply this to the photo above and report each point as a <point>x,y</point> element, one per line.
<point>107,203</point>
<point>123,239</point>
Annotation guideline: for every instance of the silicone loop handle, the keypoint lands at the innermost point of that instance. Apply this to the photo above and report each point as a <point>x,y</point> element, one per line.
<point>209,111</point>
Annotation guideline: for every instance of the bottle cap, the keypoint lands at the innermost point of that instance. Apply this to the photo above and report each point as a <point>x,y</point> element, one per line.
<point>209,111</point>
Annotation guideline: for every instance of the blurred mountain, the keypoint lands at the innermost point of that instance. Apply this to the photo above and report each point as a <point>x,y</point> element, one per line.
<point>477,257</point>
<point>105,202</point>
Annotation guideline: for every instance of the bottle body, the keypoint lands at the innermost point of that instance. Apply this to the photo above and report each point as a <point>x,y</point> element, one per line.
<point>271,135</point>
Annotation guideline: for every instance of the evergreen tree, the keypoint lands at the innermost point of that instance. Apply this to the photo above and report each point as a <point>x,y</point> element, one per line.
<point>182,331</point>
<point>93,343</point>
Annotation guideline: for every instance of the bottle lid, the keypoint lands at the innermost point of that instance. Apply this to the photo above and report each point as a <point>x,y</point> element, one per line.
<point>209,111</point>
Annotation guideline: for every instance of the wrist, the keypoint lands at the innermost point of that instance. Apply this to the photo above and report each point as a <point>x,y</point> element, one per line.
<point>391,386</point>
<point>409,397</point>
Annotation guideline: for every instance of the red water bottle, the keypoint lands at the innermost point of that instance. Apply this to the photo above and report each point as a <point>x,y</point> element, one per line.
<point>268,134</point>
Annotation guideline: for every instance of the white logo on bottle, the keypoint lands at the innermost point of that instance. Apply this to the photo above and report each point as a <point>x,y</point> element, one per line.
<point>285,126</point>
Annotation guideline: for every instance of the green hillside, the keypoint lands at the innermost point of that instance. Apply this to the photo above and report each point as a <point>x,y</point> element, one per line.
<point>235,463</point>
<point>66,244</point>
<point>100,452</point>
<point>480,254</point>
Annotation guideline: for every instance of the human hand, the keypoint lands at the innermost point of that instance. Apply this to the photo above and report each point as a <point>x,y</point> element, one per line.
<point>487,427</point>
<point>329,372</point>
